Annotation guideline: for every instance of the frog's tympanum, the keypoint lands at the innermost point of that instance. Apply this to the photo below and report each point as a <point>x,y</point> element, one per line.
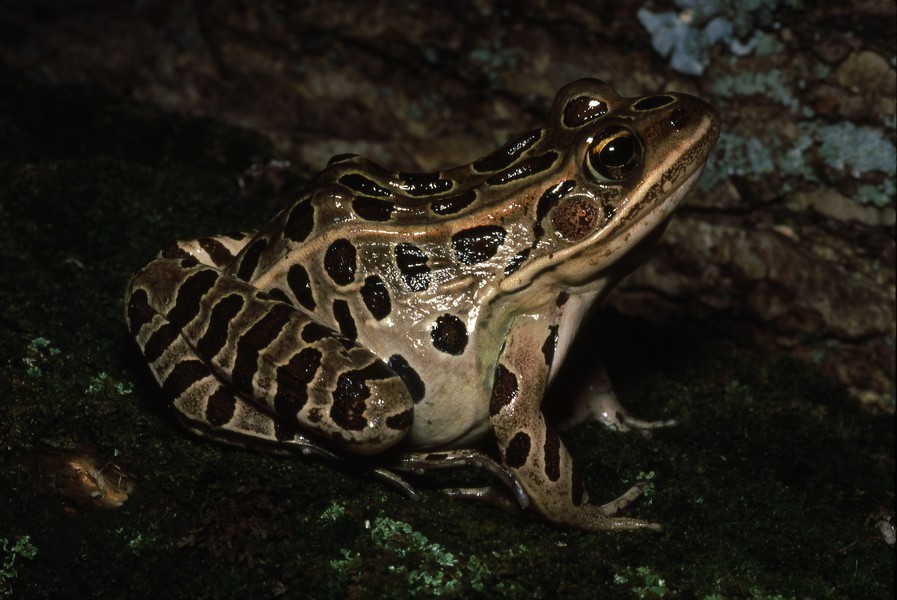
<point>415,320</point>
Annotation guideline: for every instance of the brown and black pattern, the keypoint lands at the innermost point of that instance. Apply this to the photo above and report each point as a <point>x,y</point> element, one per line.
<point>507,154</point>
<point>373,209</point>
<point>527,167</point>
<point>424,184</point>
<point>504,389</point>
<point>449,335</point>
<point>581,110</point>
<point>548,200</point>
<point>478,244</point>
<point>517,452</point>
<point>455,203</point>
<point>412,263</point>
<point>216,335</point>
<point>253,342</point>
<point>300,285</point>
<point>249,259</point>
<point>363,185</point>
<point>375,296</point>
<point>343,316</point>
<point>216,402</point>
<point>550,345</point>
<point>300,222</point>
<point>293,379</point>
<point>551,453</point>
<point>413,382</point>
<point>351,395</point>
<point>339,261</point>
<point>217,251</point>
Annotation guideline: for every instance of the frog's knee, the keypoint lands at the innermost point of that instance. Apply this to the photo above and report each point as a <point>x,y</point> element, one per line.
<point>372,409</point>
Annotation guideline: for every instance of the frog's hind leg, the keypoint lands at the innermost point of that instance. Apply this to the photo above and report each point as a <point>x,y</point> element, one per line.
<point>421,462</point>
<point>592,398</point>
<point>243,367</point>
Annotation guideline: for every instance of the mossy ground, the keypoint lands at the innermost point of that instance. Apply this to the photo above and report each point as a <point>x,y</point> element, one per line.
<point>769,485</point>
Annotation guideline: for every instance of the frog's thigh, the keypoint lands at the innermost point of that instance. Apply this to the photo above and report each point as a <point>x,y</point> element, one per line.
<point>238,363</point>
<point>529,447</point>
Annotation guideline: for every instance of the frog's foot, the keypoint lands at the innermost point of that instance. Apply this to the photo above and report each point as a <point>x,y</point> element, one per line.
<point>396,481</point>
<point>421,462</point>
<point>593,518</point>
<point>628,497</point>
<point>598,402</point>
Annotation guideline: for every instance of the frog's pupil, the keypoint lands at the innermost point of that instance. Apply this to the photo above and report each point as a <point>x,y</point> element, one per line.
<point>617,152</point>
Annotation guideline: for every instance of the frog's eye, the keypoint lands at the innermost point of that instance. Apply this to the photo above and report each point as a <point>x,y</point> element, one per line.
<point>614,154</point>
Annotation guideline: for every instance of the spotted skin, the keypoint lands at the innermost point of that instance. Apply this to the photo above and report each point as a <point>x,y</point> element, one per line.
<point>420,315</point>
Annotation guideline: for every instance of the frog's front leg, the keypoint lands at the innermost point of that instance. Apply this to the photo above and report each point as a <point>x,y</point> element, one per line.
<point>530,447</point>
<point>243,367</point>
<point>593,398</point>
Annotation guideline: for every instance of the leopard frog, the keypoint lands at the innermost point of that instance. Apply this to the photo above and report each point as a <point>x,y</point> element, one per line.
<point>416,320</point>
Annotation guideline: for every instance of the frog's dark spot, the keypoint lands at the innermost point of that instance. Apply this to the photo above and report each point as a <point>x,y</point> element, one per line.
<point>425,184</point>
<point>255,340</point>
<point>412,263</point>
<point>182,376</point>
<point>449,205</point>
<point>525,168</point>
<point>652,102</point>
<point>213,340</point>
<point>508,153</point>
<point>297,279</point>
<point>376,297</point>
<point>300,222</point>
<point>359,183</point>
<point>344,319</point>
<point>552,452</point>
<point>315,332</point>
<point>401,421</point>
<point>550,344</point>
<point>249,259</point>
<point>190,294</point>
<point>449,335</point>
<point>504,389</point>
<point>339,262</point>
<point>139,311</point>
<point>373,209</point>
<point>160,341</point>
<point>549,200</point>
<point>516,261</point>
<point>562,299</point>
<point>293,379</point>
<point>409,376</point>
<point>518,450</point>
<point>279,295</point>
<point>217,251</point>
<point>220,407</point>
<point>351,394</point>
<point>581,110</point>
<point>474,245</point>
